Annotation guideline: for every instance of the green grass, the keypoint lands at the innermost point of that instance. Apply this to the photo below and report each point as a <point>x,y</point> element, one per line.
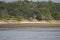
<point>32,25</point>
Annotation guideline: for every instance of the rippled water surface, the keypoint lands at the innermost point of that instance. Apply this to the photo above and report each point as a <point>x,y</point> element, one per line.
<point>29,33</point>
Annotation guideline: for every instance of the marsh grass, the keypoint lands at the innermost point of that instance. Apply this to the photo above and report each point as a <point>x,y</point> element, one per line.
<point>32,25</point>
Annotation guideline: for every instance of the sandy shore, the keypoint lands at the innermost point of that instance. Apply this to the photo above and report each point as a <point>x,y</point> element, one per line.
<point>33,22</point>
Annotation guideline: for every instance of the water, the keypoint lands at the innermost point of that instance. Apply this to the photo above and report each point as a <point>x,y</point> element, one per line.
<point>30,33</point>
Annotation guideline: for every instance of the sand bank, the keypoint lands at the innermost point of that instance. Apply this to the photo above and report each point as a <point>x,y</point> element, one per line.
<point>26,21</point>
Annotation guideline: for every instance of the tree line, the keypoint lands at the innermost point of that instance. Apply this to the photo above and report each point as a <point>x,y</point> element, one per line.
<point>20,10</point>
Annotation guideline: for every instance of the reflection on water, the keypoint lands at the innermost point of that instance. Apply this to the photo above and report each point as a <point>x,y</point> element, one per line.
<point>30,33</point>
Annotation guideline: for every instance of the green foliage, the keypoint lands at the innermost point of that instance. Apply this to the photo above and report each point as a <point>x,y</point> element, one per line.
<point>30,19</point>
<point>39,17</point>
<point>43,10</point>
<point>20,18</point>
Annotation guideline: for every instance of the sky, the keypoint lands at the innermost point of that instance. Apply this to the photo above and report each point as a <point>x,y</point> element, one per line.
<point>33,0</point>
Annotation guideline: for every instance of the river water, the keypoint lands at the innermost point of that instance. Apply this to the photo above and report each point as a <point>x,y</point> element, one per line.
<point>30,33</point>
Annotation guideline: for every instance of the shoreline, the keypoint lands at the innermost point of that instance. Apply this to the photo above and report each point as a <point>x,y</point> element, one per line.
<point>31,23</point>
<point>27,22</point>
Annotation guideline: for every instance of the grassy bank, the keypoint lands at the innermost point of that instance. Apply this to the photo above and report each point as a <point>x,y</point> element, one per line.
<point>32,25</point>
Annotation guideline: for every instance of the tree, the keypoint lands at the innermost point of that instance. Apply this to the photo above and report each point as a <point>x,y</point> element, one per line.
<point>20,18</point>
<point>36,10</point>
